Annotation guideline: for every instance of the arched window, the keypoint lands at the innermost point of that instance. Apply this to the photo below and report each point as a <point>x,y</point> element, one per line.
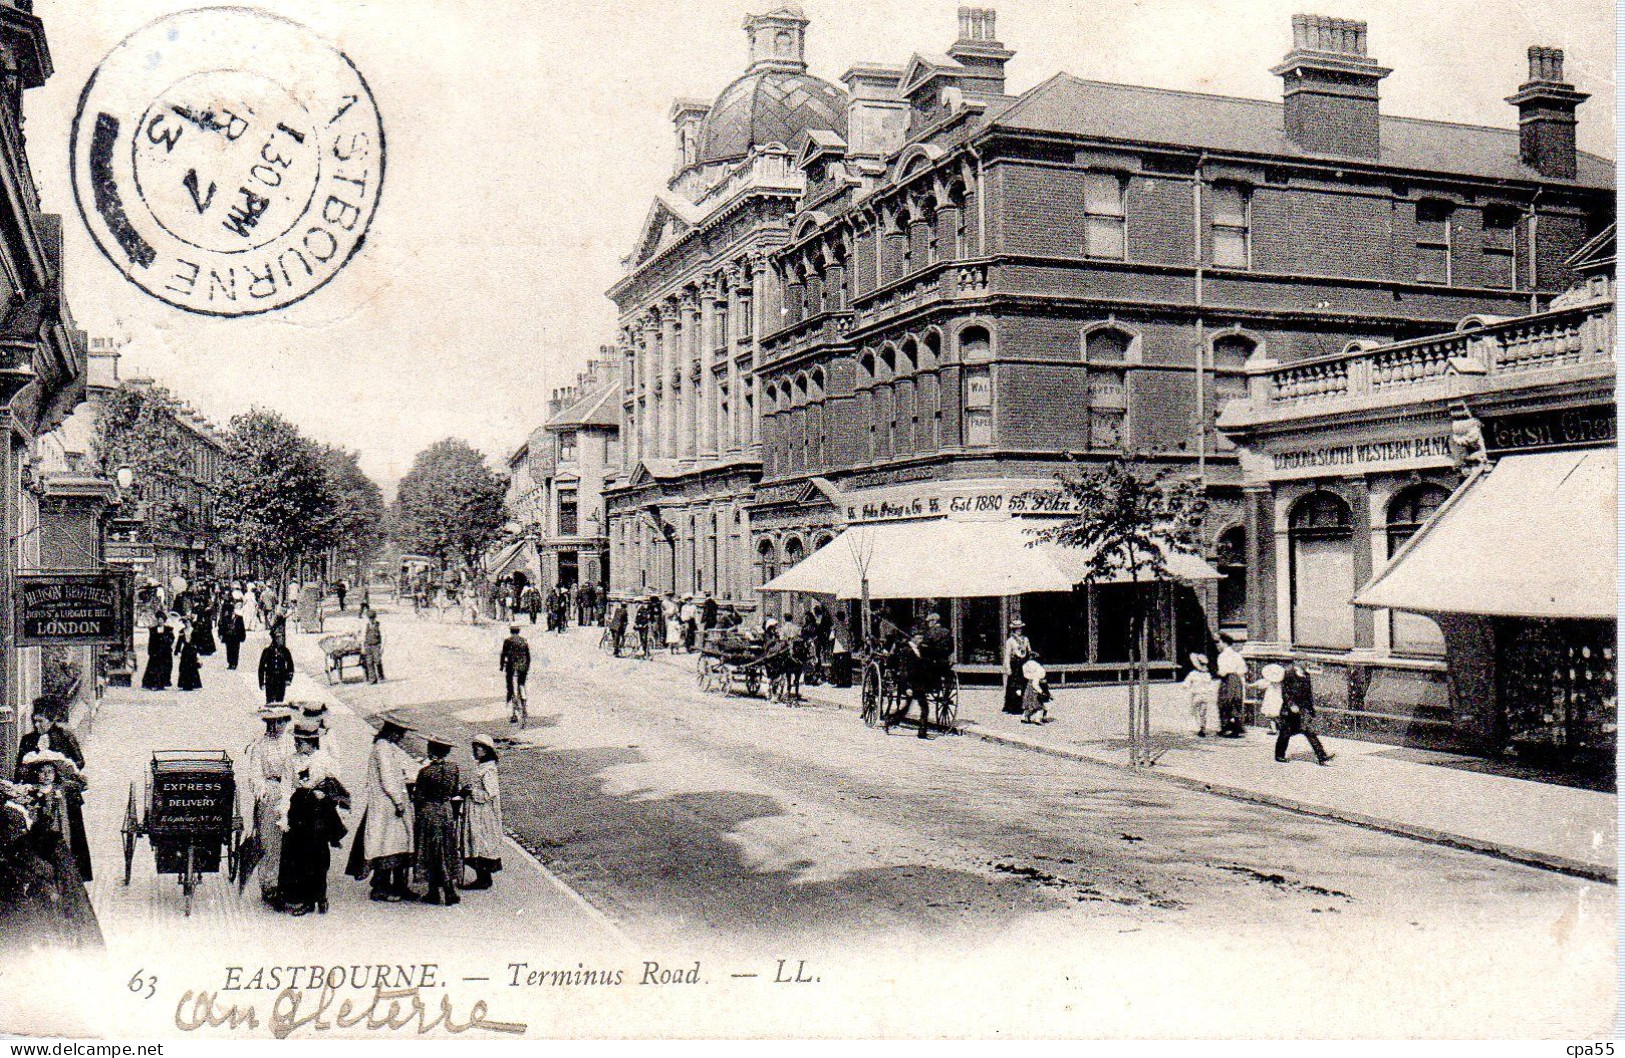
<point>1230,355</point>
<point>1412,633</point>
<point>933,244</point>
<point>1232,566</point>
<point>1322,540</point>
<point>957,202</point>
<point>975,345</point>
<point>1107,387</point>
<point>767,562</point>
<point>1107,345</point>
<point>794,552</point>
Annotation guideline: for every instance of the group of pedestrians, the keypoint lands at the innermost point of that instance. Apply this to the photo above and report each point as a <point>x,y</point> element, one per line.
<point>419,823</point>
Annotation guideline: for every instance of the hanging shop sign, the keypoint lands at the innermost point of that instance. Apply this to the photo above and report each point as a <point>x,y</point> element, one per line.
<point>73,609</point>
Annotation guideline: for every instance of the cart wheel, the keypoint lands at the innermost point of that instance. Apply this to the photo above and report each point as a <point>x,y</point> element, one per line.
<point>188,882</point>
<point>871,695</point>
<point>131,822</point>
<point>948,705</point>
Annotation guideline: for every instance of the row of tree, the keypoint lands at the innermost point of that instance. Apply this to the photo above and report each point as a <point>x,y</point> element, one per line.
<point>278,499</point>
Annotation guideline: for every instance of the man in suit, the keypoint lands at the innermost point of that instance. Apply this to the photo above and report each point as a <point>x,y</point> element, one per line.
<point>1298,713</point>
<point>515,665</point>
<point>276,667</point>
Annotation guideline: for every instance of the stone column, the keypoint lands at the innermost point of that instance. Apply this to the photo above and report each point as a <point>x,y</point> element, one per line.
<point>1364,618</point>
<point>670,357</point>
<point>648,379</point>
<point>759,298</point>
<point>692,357</point>
<point>709,295</point>
<point>631,423</point>
<point>1259,517</point>
<point>736,395</point>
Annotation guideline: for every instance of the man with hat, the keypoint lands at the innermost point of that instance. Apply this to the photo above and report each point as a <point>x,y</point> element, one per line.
<point>484,808</point>
<point>438,794</point>
<point>515,665</point>
<point>383,840</point>
<point>276,667</point>
<point>1017,649</point>
<point>264,769</point>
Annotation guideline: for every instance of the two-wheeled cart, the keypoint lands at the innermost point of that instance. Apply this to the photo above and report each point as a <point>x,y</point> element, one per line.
<point>188,812</point>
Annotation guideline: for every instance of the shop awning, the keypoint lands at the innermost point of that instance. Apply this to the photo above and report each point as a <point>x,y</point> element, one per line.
<point>512,557</point>
<point>950,559</point>
<point>1534,536</point>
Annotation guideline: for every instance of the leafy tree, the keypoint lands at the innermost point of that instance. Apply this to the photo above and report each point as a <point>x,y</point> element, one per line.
<point>277,501</point>
<point>358,505</point>
<point>449,506</point>
<point>138,425</point>
<point>1130,516</point>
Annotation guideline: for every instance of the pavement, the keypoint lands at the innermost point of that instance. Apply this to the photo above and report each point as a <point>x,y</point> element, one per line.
<point>145,924</point>
<point>1445,798</point>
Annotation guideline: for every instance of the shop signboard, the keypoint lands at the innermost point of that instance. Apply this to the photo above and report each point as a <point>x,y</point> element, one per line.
<point>73,609</point>
<point>1554,428</point>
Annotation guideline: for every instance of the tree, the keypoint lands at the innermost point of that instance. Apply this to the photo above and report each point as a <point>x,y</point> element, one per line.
<point>277,500</point>
<point>138,425</point>
<point>1130,516</point>
<point>358,505</point>
<point>450,506</point>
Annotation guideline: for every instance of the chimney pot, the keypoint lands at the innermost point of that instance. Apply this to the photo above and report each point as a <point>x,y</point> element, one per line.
<point>1330,87</point>
<point>1546,105</point>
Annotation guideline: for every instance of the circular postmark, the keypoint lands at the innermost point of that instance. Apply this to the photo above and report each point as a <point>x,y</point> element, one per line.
<point>226,160</point>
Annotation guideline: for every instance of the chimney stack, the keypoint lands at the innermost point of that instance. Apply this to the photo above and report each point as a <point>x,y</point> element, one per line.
<point>979,49</point>
<point>1330,88</point>
<point>1546,105</point>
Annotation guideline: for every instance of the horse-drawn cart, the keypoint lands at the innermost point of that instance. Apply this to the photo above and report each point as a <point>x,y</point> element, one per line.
<point>189,814</point>
<point>729,659</point>
<point>339,649</point>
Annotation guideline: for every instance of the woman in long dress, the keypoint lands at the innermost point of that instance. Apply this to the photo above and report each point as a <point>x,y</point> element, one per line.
<point>53,776</point>
<point>484,815</point>
<point>310,823</point>
<point>190,678</point>
<point>50,734</point>
<point>203,628</point>
<point>160,655</point>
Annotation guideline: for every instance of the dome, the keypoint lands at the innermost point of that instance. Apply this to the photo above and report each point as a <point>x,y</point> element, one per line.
<point>769,106</point>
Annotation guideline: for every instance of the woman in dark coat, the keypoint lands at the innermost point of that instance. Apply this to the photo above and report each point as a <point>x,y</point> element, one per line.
<point>203,630</point>
<point>233,630</point>
<point>439,857</point>
<point>160,656</point>
<point>314,828</point>
<point>55,783</point>
<point>189,677</point>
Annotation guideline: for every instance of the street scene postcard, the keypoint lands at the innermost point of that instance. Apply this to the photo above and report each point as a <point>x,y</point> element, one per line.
<point>1083,519</point>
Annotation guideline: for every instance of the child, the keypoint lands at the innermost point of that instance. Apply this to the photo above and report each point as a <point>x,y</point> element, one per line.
<point>1270,709</point>
<point>1202,690</point>
<point>1035,695</point>
<point>485,835</point>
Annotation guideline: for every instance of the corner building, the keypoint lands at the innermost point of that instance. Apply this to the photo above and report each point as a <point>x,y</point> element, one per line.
<point>978,287</point>
<point>692,306</point>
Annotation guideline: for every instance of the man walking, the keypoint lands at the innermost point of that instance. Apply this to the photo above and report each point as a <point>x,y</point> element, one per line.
<point>515,665</point>
<point>276,667</point>
<point>1298,713</point>
<point>342,590</point>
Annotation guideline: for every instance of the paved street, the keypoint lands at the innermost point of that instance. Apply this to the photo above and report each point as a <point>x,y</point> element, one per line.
<point>704,824</point>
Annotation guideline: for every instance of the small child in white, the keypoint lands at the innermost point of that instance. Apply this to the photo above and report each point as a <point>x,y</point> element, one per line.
<point>1035,696</point>
<point>1203,693</point>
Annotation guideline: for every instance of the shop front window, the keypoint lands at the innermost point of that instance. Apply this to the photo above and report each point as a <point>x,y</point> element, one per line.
<point>1058,626</point>
<point>1114,622</point>
<point>1232,566</point>
<point>1322,539</point>
<point>1412,633</point>
<point>979,633</point>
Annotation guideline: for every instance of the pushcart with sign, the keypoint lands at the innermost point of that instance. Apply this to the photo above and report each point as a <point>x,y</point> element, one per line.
<point>189,814</point>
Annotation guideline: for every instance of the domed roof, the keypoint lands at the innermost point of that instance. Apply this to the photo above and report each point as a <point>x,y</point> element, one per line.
<point>769,106</point>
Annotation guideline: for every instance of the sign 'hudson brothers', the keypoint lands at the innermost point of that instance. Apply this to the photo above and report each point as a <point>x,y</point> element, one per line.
<point>82,609</point>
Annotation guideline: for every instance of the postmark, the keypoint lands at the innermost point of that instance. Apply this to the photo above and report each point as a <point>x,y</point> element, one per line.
<point>227,160</point>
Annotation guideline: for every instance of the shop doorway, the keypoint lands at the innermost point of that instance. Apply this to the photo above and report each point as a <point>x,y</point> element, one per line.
<point>569,569</point>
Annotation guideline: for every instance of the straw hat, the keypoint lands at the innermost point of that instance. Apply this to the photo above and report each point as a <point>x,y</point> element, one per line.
<point>34,760</point>
<point>486,742</point>
<point>1274,673</point>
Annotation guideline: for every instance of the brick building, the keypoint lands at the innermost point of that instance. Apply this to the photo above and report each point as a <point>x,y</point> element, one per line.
<point>978,287</point>
<point>557,480</point>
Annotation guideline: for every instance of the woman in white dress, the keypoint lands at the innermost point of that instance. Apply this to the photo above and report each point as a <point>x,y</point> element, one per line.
<point>484,815</point>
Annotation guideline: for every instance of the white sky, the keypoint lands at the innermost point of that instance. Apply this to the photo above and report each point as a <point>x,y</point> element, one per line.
<point>526,138</point>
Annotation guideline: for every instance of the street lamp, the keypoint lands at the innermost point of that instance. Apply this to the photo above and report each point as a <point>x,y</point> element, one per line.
<point>125,477</point>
